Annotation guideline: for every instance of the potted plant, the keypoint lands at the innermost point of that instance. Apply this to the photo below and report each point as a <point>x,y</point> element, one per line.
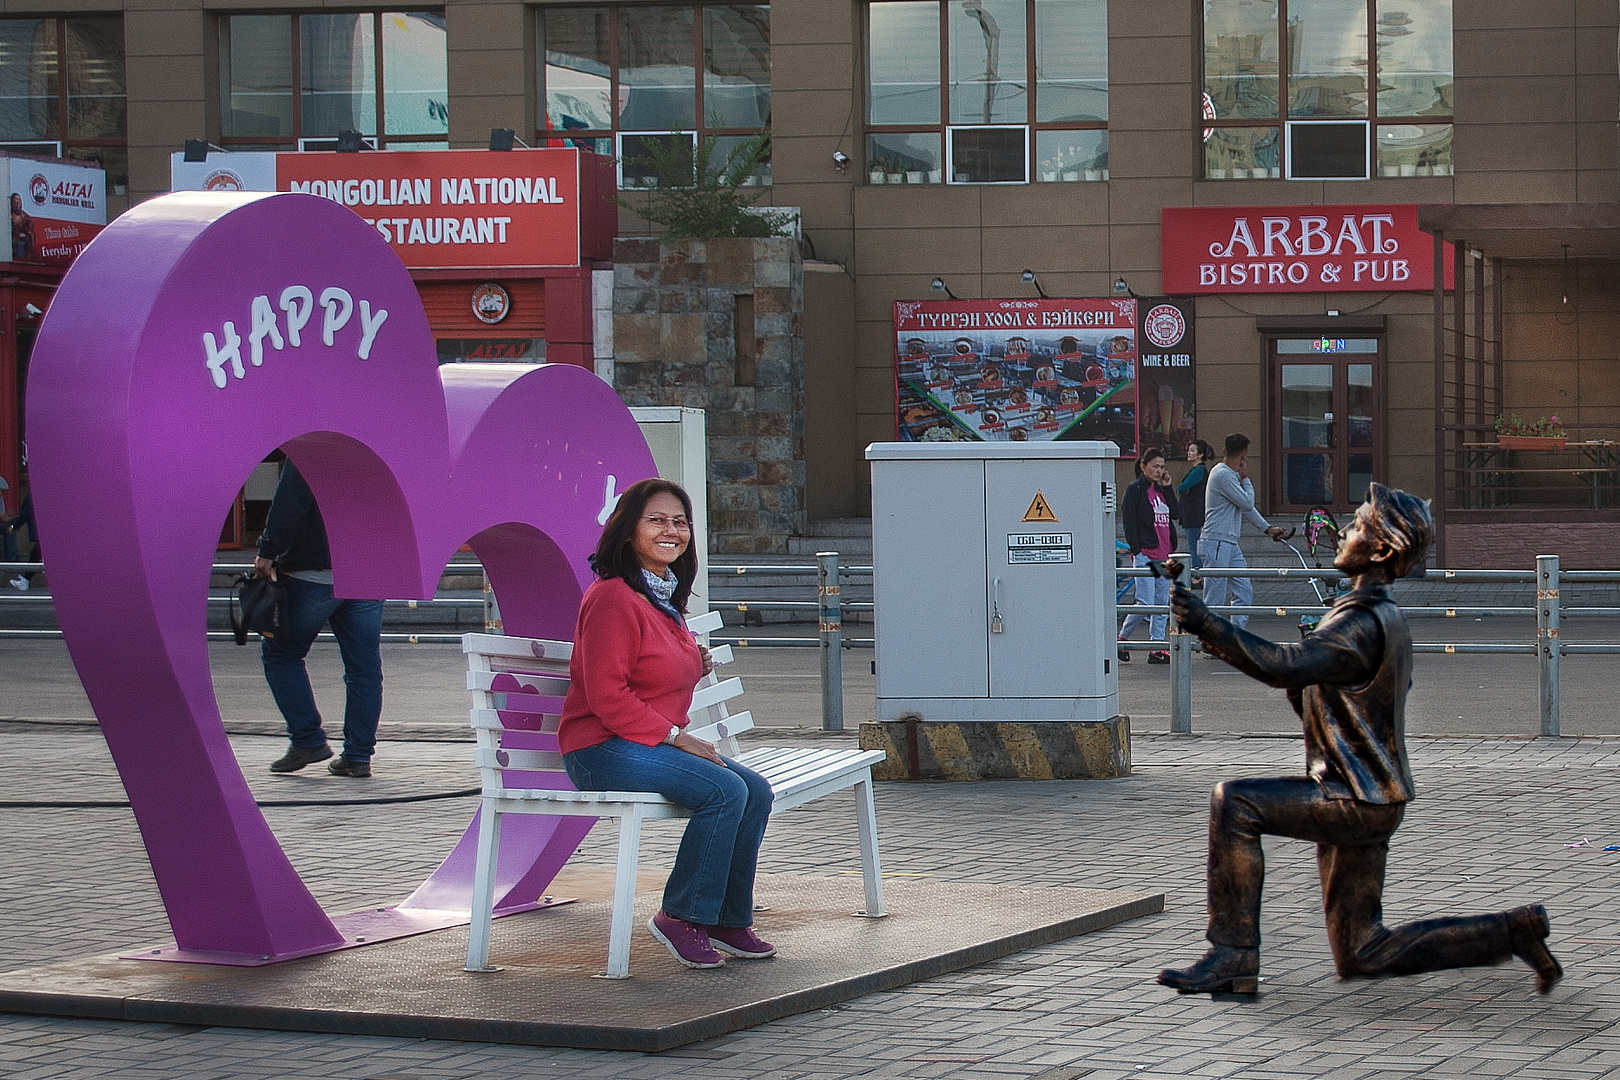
<point>1546,433</point>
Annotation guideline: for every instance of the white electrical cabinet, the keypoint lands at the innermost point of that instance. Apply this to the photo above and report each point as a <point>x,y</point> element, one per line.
<point>993,575</point>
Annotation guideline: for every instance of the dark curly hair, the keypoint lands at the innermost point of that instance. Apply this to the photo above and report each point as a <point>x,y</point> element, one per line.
<point>615,556</point>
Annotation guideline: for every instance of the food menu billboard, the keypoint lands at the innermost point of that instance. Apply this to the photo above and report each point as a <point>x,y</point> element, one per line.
<point>447,209</point>
<point>1016,370</point>
<point>57,207</point>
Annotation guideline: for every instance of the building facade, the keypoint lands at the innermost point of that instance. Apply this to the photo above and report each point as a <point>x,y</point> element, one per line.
<point>972,140</point>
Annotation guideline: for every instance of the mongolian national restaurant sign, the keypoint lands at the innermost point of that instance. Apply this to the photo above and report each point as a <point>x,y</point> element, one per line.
<point>448,209</point>
<point>1315,249</point>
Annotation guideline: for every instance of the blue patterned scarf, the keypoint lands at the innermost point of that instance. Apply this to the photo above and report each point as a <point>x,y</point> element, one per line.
<point>660,590</point>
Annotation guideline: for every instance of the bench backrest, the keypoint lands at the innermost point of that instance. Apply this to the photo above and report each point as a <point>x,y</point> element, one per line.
<point>518,685</point>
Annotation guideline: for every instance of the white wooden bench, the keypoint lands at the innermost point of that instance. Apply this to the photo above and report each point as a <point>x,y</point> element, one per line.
<point>518,685</point>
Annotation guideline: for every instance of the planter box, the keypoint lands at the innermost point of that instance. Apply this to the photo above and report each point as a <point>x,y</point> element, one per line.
<point>1532,442</point>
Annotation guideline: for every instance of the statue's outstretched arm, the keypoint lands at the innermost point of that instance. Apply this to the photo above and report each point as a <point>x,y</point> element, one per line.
<point>1343,650</point>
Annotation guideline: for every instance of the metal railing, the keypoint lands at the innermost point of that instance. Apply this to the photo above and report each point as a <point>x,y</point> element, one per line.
<point>1548,610</point>
<point>829,605</point>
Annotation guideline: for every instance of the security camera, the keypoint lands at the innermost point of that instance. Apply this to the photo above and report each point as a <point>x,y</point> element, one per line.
<point>32,310</point>
<point>841,160</point>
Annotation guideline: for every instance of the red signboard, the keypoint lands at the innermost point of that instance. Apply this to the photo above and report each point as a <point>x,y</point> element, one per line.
<point>1277,249</point>
<point>534,208</point>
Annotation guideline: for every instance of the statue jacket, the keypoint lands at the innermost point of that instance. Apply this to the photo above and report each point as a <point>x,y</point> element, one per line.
<point>1348,683</point>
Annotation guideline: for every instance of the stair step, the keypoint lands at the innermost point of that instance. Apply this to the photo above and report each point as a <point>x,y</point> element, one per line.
<point>840,527</point>
<point>846,546</point>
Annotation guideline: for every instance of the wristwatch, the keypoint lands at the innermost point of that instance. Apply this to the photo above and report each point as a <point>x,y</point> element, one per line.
<point>673,732</point>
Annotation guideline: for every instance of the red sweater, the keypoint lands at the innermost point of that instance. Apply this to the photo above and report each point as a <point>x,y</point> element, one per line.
<point>632,673</point>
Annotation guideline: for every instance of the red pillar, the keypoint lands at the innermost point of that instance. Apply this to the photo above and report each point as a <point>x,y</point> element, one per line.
<point>569,326</point>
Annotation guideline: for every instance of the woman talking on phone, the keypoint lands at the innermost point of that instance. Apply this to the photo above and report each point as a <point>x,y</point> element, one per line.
<point>623,724</point>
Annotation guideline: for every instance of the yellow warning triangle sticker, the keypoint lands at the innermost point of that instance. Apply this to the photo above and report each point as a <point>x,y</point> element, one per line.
<point>1039,509</point>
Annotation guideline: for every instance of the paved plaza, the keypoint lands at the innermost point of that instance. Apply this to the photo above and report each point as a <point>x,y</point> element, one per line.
<point>1493,826</point>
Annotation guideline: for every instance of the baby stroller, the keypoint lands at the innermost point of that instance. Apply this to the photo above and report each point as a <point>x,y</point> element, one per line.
<point>1321,530</point>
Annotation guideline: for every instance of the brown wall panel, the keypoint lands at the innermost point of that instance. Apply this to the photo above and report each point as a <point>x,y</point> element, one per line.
<point>449,309</point>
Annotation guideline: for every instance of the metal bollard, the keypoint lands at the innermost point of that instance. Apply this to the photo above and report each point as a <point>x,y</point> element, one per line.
<point>1180,659</point>
<point>492,609</point>
<point>1548,646</point>
<point>831,612</point>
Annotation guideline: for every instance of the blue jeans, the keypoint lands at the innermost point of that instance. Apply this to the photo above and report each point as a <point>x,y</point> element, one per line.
<point>1149,590</point>
<point>357,625</point>
<point>1192,546</point>
<point>1219,554</point>
<point>712,883</point>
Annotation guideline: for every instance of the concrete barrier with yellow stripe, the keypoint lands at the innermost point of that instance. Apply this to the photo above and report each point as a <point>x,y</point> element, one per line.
<point>921,749</point>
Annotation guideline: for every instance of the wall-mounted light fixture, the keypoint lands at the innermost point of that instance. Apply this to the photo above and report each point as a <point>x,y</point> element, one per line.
<point>1121,288</point>
<point>938,285</point>
<point>505,139</point>
<point>1028,278</point>
<point>197,150</point>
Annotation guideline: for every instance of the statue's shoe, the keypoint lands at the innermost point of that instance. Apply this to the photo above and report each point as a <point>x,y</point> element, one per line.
<point>1528,928</point>
<point>1223,970</point>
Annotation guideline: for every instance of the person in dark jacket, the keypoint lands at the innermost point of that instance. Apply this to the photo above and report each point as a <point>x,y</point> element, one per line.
<point>1191,493</point>
<point>293,548</point>
<point>1348,682</point>
<point>1149,512</point>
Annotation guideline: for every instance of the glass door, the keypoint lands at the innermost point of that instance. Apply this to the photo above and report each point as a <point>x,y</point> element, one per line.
<point>1326,422</point>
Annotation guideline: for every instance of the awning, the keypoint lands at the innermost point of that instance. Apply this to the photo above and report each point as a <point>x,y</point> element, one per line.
<point>1527,230</point>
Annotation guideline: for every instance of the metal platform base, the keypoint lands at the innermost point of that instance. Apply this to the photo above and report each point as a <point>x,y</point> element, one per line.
<point>544,993</point>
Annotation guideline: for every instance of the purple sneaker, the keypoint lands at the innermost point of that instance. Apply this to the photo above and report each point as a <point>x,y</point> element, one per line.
<point>740,941</point>
<point>687,943</point>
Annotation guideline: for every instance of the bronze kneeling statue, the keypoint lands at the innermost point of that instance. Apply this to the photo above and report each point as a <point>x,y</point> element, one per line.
<point>1348,683</point>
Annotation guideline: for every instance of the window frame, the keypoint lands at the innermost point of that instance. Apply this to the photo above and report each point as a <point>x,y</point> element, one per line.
<point>65,142</point>
<point>944,127</point>
<point>698,130</point>
<point>295,140</point>
<point>1282,121</point>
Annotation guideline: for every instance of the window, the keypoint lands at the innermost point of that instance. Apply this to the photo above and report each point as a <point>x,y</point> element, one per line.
<point>1286,90</point>
<point>297,80</point>
<point>617,78</point>
<point>986,91</point>
<point>62,91</point>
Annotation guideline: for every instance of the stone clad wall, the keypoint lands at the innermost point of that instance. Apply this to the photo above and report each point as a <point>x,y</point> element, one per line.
<point>675,343</point>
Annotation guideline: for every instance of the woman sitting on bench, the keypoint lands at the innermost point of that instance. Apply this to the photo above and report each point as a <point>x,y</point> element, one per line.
<point>631,680</point>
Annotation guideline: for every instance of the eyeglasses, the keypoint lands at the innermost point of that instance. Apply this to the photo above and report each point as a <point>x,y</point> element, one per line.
<point>660,522</point>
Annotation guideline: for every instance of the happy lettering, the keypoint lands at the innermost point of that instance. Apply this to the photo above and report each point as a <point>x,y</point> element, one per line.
<point>292,310</point>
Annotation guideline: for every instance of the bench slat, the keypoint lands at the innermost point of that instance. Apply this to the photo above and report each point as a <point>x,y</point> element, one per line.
<point>707,623</point>
<point>721,654</point>
<point>706,696</point>
<point>521,648</point>
<point>551,761</point>
<point>482,719</point>
<point>547,682</point>
<point>729,728</point>
<point>786,772</point>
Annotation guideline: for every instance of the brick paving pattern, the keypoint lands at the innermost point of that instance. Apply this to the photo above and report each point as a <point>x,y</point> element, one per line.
<point>1490,830</point>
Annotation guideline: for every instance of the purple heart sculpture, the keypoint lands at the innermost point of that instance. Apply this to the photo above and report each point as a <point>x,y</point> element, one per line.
<point>196,334</point>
